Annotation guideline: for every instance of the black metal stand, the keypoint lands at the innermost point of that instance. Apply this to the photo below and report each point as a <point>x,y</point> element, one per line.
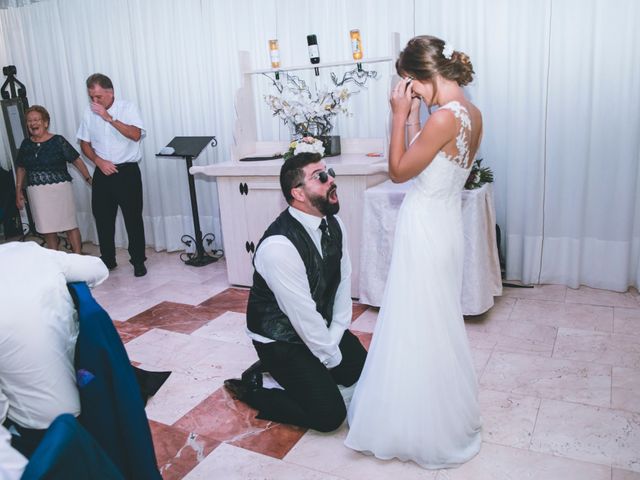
<point>189,148</point>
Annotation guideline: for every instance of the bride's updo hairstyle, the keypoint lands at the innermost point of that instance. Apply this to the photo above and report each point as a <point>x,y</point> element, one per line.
<point>426,56</point>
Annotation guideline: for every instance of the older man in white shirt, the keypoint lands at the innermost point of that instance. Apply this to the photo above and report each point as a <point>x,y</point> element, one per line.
<point>300,305</point>
<point>38,331</point>
<point>110,136</point>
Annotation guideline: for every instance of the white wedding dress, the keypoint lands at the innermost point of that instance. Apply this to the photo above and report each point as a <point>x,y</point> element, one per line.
<point>417,397</point>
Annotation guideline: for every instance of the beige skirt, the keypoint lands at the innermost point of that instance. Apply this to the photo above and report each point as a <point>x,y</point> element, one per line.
<point>52,207</point>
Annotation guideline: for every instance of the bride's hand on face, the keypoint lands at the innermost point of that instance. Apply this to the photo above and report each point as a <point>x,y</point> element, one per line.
<point>401,101</point>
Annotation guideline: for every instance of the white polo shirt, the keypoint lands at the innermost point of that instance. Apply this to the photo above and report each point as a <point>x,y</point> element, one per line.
<point>38,330</point>
<point>108,142</point>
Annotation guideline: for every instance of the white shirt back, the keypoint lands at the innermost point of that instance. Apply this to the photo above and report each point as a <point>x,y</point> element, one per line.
<point>38,330</point>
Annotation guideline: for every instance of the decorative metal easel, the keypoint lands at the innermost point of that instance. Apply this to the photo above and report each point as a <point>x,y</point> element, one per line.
<point>189,148</point>
<point>14,103</point>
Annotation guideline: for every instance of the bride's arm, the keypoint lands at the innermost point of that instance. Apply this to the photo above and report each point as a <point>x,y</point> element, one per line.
<point>404,164</point>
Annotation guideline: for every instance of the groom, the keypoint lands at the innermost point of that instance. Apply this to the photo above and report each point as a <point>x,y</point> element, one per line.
<point>300,306</point>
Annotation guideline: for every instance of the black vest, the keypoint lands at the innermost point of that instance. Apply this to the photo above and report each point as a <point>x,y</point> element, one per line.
<point>264,317</point>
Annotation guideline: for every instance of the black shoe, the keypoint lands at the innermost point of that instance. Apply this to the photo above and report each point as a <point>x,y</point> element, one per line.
<point>252,376</point>
<point>110,264</point>
<point>139,270</point>
<point>237,388</point>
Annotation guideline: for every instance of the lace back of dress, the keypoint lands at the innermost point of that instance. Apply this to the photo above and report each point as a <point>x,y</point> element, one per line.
<point>461,156</point>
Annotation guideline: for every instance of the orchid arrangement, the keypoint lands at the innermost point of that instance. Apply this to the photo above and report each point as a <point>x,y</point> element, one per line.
<point>308,113</point>
<point>478,176</point>
<point>305,144</point>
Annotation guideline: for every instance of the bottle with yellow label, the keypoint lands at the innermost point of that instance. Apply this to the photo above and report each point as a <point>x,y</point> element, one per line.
<point>356,44</point>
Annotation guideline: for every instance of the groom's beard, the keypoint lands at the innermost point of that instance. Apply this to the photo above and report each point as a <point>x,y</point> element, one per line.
<point>324,204</point>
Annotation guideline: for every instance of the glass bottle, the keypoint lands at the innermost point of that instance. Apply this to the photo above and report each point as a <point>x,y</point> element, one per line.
<point>356,44</point>
<point>274,53</point>
<point>314,52</point>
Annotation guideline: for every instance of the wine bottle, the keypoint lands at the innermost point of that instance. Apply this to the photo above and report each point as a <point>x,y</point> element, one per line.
<point>274,56</point>
<point>314,52</point>
<point>356,46</point>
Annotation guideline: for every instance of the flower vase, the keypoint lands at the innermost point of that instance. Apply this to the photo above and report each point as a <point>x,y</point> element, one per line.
<point>331,144</point>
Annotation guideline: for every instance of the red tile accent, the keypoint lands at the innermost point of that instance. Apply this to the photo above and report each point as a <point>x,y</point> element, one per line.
<point>358,309</point>
<point>176,317</point>
<point>178,451</point>
<point>231,300</point>
<point>228,420</point>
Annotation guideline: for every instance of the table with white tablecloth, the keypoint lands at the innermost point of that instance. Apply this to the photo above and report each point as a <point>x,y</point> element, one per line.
<point>481,277</point>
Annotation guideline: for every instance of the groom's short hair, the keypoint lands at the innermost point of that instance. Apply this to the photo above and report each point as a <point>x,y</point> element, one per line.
<point>291,173</point>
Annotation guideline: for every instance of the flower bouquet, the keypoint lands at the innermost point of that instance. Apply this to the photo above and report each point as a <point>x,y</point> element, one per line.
<point>478,176</point>
<point>305,144</point>
<point>309,113</point>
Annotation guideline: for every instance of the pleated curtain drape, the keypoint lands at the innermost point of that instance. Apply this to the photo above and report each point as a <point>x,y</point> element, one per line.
<point>558,82</point>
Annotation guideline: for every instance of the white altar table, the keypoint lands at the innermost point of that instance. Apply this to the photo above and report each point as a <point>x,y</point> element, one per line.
<point>481,278</point>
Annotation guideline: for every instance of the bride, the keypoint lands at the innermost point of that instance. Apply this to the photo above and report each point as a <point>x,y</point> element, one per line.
<point>417,398</point>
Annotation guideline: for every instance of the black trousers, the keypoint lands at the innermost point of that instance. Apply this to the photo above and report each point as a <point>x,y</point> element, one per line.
<point>310,398</point>
<point>124,190</point>
<point>27,439</point>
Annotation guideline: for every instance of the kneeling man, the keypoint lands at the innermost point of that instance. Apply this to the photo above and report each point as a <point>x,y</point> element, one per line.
<point>300,306</point>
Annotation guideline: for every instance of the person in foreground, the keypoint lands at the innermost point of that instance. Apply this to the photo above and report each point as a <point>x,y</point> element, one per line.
<point>417,398</point>
<point>42,162</point>
<point>300,306</point>
<point>110,136</point>
<point>38,331</point>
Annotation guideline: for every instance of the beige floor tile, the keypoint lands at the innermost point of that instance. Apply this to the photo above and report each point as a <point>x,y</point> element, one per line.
<point>326,452</point>
<point>594,296</point>
<point>164,350</point>
<point>586,317</point>
<point>480,359</point>
<point>619,474</point>
<point>366,322</point>
<point>506,335</point>
<point>599,435</point>
<point>121,307</point>
<point>179,394</point>
<point>626,320</point>
<point>183,292</point>
<point>496,462</point>
<point>229,327</point>
<point>625,389</point>
<point>508,419</point>
<point>555,293</point>
<point>232,463</point>
<point>500,310</point>
<point>548,378</point>
<point>618,350</point>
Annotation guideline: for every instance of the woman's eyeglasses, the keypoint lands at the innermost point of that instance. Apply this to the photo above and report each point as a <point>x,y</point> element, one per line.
<point>322,176</point>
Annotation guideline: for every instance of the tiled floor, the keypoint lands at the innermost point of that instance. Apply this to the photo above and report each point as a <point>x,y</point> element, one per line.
<point>559,374</point>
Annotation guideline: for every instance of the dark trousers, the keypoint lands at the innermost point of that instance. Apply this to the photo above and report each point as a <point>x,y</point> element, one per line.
<point>310,398</point>
<point>27,439</point>
<point>124,190</point>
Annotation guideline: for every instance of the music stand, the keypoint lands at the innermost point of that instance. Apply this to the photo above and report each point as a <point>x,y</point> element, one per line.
<point>189,148</point>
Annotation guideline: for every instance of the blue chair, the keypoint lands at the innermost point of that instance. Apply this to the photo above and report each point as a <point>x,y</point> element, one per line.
<point>111,403</point>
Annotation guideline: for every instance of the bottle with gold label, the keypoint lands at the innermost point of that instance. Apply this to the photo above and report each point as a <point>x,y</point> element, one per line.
<point>274,56</point>
<point>274,53</point>
<point>356,44</point>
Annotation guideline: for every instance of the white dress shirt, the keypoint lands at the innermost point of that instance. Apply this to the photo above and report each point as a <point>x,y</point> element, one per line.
<point>38,330</point>
<point>108,142</point>
<point>281,266</point>
<point>12,463</point>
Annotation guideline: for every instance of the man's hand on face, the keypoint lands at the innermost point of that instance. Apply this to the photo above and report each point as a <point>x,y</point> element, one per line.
<point>100,111</point>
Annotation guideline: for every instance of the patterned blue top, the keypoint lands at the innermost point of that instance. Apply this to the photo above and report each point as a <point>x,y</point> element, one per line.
<point>46,162</point>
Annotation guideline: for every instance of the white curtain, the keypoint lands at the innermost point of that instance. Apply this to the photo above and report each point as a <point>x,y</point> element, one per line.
<point>558,82</point>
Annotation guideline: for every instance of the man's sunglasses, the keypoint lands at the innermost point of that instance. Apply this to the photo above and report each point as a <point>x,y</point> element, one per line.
<point>322,175</point>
